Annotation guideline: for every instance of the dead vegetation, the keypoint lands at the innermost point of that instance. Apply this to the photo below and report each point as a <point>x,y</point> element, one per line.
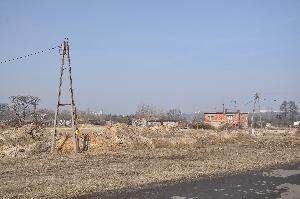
<point>25,141</point>
<point>122,156</point>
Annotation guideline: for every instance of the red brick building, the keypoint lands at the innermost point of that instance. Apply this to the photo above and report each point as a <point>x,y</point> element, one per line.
<point>218,119</point>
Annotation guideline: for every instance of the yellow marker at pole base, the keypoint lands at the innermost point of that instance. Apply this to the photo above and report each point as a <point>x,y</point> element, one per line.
<point>77,132</point>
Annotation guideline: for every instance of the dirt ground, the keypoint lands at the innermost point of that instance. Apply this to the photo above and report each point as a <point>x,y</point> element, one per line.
<point>123,156</point>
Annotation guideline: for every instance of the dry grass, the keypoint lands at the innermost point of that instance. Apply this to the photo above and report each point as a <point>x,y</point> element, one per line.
<point>128,157</point>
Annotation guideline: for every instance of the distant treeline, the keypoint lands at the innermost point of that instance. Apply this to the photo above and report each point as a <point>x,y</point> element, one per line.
<point>25,109</point>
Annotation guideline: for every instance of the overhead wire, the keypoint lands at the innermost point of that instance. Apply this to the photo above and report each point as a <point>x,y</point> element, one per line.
<point>29,55</point>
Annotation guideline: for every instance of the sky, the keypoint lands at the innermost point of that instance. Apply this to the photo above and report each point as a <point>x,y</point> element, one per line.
<point>192,55</point>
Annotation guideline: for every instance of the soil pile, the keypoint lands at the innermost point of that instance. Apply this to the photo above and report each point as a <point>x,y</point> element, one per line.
<point>24,141</point>
<point>29,140</point>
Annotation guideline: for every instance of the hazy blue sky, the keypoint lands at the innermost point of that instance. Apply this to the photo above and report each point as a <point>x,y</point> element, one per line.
<point>192,55</point>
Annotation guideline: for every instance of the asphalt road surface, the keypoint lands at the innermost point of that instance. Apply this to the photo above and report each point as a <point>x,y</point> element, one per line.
<point>280,182</point>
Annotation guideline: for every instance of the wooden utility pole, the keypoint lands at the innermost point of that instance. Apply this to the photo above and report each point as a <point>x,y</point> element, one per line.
<point>65,55</point>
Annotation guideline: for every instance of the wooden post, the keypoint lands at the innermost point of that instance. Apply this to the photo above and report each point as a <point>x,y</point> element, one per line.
<point>65,51</point>
<point>73,108</point>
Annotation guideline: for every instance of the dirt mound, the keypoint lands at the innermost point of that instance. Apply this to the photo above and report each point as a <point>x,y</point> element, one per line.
<point>29,140</point>
<point>116,137</point>
<point>122,136</point>
<point>23,141</point>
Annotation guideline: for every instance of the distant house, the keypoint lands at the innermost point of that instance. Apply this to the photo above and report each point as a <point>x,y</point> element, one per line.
<point>296,124</point>
<point>218,119</point>
<point>154,123</point>
<point>144,123</point>
<point>171,123</point>
<point>139,122</point>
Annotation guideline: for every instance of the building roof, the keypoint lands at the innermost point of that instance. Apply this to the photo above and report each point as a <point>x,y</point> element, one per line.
<point>226,113</point>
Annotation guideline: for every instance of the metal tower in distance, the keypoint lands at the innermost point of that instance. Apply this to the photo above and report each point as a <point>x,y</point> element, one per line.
<point>65,56</point>
<point>256,100</point>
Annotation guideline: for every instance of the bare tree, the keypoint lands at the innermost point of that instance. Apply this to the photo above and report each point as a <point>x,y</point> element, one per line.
<point>292,110</point>
<point>284,110</point>
<point>289,111</point>
<point>174,114</point>
<point>146,111</point>
<point>23,106</point>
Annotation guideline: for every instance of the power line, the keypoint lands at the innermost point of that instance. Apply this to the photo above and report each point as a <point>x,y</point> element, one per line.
<point>29,55</point>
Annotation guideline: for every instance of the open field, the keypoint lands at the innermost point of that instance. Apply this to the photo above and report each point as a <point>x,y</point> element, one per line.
<point>121,157</point>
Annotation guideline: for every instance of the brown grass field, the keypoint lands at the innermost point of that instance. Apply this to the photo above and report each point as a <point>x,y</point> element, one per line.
<point>123,157</point>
